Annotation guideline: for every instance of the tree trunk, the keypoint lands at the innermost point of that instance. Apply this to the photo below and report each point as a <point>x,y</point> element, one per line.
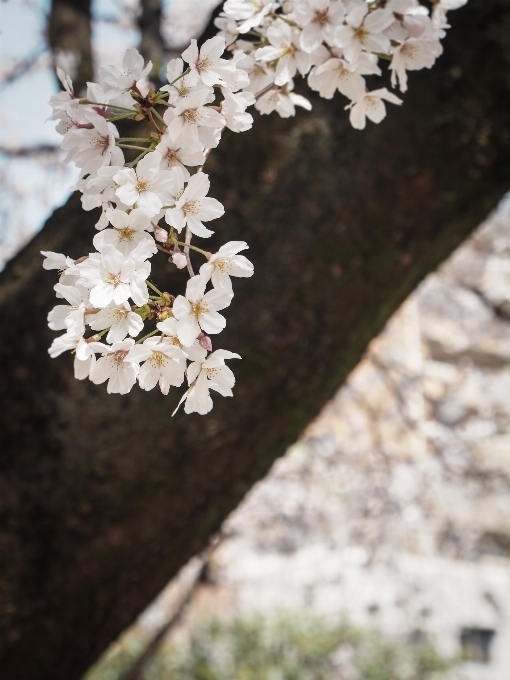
<point>69,30</point>
<point>152,45</point>
<point>102,497</point>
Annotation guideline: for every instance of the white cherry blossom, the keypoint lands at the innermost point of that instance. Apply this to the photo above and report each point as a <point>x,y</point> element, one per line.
<point>250,13</point>
<point>371,105</point>
<point>164,363</point>
<point>193,207</point>
<point>175,154</point>
<point>127,75</point>
<point>339,74</point>
<point>413,55</point>
<point>190,118</point>
<point>71,316</point>
<point>169,327</point>
<point>90,149</point>
<point>363,31</point>
<point>228,28</point>
<point>199,310</point>
<point>207,65</point>
<point>128,230</point>
<point>226,263</point>
<point>60,100</point>
<point>111,276</point>
<point>211,374</point>
<point>319,20</point>
<point>259,74</point>
<point>119,319</point>
<point>181,84</point>
<point>285,49</point>
<point>114,366</point>
<point>63,264</point>
<point>233,109</point>
<point>283,101</point>
<point>147,186</point>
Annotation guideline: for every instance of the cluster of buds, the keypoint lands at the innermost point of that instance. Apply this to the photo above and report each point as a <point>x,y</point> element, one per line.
<point>159,201</point>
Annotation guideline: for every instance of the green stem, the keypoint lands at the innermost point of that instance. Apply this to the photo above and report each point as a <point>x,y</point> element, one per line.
<point>147,336</point>
<point>121,117</point>
<point>130,146</point>
<point>151,285</point>
<point>133,163</point>
<point>134,139</point>
<point>184,73</point>
<point>159,116</point>
<point>111,106</point>
<point>199,250</point>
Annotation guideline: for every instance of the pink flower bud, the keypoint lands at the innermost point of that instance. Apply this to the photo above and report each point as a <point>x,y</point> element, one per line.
<point>160,234</point>
<point>205,342</point>
<point>179,259</point>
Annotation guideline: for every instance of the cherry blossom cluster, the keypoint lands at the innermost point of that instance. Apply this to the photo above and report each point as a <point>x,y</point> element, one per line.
<point>152,193</point>
<point>334,44</point>
<point>149,204</point>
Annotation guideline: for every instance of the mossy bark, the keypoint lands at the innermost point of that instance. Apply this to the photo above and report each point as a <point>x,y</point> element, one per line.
<point>103,498</point>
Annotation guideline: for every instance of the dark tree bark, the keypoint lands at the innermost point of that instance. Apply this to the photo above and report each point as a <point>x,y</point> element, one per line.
<point>152,45</point>
<point>69,30</point>
<point>103,498</point>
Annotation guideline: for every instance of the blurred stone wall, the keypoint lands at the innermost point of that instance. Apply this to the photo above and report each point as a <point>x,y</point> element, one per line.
<point>394,508</point>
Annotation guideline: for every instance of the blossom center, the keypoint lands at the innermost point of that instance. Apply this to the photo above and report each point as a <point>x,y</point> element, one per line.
<point>158,359</point>
<point>370,102</point>
<point>288,50</point>
<point>142,185</point>
<point>190,116</point>
<point>191,207</point>
<point>212,372</point>
<point>119,315</point>
<point>172,157</point>
<point>198,308</point>
<point>100,143</point>
<point>203,63</point>
<point>360,34</point>
<point>126,234</point>
<point>111,277</point>
<point>321,17</point>
<point>223,265</point>
<point>119,356</point>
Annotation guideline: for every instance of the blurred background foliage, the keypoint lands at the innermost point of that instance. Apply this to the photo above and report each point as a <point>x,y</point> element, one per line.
<point>285,646</point>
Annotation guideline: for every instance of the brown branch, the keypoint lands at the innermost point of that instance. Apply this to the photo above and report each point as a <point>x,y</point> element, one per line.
<point>22,67</point>
<point>29,151</point>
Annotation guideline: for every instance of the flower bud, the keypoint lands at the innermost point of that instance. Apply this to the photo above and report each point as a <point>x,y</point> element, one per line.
<point>179,259</point>
<point>164,314</point>
<point>205,342</point>
<point>160,234</point>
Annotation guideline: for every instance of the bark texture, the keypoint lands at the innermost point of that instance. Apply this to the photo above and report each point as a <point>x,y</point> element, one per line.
<point>152,45</point>
<point>103,498</point>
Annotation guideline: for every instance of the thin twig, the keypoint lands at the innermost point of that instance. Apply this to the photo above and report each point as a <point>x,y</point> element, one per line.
<point>187,239</point>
